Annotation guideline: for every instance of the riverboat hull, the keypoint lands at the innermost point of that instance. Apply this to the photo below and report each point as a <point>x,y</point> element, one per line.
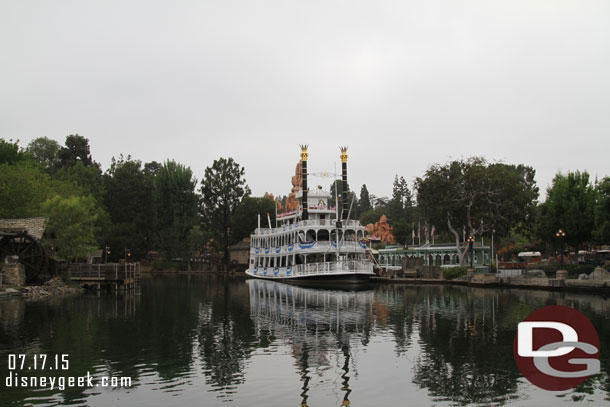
<point>339,278</point>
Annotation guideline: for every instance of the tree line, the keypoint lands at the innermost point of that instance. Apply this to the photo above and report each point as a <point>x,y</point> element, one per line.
<point>132,209</point>
<point>136,208</point>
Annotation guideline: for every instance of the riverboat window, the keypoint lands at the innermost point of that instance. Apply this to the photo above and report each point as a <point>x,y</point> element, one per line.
<point>350,235</point>
<point>323,235</point>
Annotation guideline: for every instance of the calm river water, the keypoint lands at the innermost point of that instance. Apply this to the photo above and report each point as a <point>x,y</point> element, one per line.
<point>192,340</point>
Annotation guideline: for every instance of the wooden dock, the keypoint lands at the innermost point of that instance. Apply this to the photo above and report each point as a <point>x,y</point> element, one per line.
<point>109,275</point>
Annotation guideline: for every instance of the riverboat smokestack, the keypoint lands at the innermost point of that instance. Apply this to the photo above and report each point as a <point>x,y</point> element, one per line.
<point>344,211</point>
<point>304,201</point>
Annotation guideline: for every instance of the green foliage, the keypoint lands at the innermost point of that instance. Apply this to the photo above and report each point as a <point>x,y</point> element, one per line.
<point>401,203</point>
<point>477,195</point>
<point>10,153</point>
<point>76,150</point>
<point>451,273</point>
<point>570,206</point>
<point>246,214</point>
<point>24,188</point>
<point>222,189</point>
<point>87,178</point>
<point>372,215</point>
<point>365,200</point>
<point>176,206</point>
<point>71,228</point>
<point>45,153</point>
<point>574,270</point>
<point>130,202</point>
<point>601,233</point>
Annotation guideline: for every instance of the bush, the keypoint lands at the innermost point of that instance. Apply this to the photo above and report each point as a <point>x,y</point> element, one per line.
<point>451,273</point>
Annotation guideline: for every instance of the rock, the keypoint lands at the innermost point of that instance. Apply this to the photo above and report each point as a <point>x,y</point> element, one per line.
<point>561,274</point>
<point>55,282</point>
<point>536,274</point>
<point>599,274</point>
<point>14,274</point>
<point>11,290</point>
<point>583,276</point>
<point>382,230</point>
<point>11,260</point>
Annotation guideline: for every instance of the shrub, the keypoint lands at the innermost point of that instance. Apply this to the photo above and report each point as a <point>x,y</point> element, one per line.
<point>451,273</point>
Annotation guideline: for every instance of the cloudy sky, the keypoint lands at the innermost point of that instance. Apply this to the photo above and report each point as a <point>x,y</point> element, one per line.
<point>404,84</point>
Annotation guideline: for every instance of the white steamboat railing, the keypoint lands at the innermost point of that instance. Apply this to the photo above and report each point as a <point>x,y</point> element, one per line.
<point>307,223</point>
<point>322,268</point>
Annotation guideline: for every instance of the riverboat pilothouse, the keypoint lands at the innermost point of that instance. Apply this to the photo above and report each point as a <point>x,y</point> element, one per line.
<point>313,242</point>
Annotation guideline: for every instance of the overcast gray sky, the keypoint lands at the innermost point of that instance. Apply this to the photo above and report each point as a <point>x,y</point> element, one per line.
<point>404,84</point>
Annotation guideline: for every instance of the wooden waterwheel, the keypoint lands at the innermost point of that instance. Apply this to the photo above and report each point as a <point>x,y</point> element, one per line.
<point>29,250</point>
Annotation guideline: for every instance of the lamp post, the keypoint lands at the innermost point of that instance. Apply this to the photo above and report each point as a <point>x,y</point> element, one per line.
<point>561,234</point>
<point>471,249</point>
<point>127,254</point>
<point>106,253</point>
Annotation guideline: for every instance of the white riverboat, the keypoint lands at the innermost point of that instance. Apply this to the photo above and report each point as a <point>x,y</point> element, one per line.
<point>313,242</point>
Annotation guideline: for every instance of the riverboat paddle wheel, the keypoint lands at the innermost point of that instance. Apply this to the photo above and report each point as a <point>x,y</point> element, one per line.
<point>28,249</point>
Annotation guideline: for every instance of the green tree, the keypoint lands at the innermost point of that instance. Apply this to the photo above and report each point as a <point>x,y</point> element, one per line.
<point>86,177</point>
<point>570,206</point>
<point>372,215</point>
<point>246,214</point>
<point>365,200</point>
<point>130,202</point>
<point>176,205</point>
<point>478,196</point>
<point>45,153</point>
<point>76,150</point>
<point>222,189</point>
<point>24,188</point>
<point>72,225</point>
<point>10,153</point>
<point>401,203</point>
<point>601,233</point>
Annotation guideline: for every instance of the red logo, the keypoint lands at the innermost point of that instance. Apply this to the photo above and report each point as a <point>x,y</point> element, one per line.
<point>556,348</point>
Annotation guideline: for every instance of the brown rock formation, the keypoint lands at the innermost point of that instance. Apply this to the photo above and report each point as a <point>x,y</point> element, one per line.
<point>292,203</point>
<point>381,230</point>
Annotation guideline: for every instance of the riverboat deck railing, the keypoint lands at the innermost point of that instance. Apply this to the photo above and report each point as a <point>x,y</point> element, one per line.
<point>306,223</point>
<point>320,268</point>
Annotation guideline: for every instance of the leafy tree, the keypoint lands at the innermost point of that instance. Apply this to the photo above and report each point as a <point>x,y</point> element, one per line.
<point>130,203</point>
<point>45,153</point>
<point>76,150</point>
<point>10,153</point>
<point>601,233</point>
<point>570,206</point>
<point>372,215</point>
<point>365,200</point>
<point>87,177</point>
<point>246,214</point>
<point>478,196</point>
<point>222,189</point>
<point>71,227</point>
<point>176,205</point>
<point>152,168</point>
<point>24,188</point>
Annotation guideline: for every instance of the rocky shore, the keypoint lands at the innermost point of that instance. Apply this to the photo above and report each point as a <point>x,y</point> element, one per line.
<point>54,286</point>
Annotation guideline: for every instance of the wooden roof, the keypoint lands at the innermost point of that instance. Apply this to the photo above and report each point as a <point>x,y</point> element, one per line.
<point>33,226</point>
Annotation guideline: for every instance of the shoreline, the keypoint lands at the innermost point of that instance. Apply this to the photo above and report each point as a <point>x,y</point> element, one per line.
<point>601,287</point>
